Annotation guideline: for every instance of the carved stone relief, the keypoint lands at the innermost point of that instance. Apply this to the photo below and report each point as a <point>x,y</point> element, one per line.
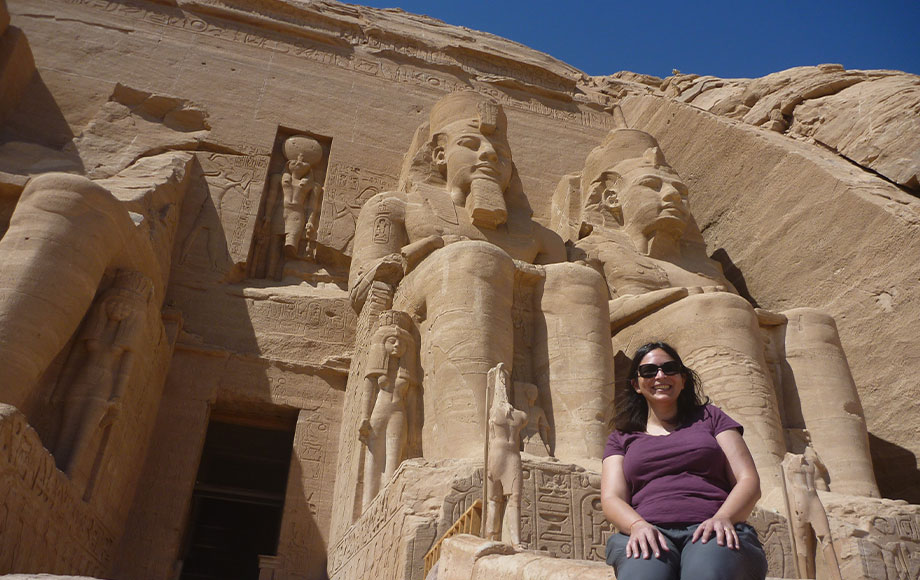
<point>289,214</point>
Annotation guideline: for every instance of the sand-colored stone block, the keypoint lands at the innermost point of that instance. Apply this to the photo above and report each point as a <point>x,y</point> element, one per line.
<point>460,554</point>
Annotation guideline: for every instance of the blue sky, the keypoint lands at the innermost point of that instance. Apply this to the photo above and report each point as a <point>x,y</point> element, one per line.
<point>727,39</point>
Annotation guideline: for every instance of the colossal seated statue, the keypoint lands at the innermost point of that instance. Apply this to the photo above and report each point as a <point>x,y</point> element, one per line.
<point>637,229</point>
<point>457,249</point>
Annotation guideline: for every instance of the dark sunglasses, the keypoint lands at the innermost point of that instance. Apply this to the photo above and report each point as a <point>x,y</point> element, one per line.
<point>650,371</point>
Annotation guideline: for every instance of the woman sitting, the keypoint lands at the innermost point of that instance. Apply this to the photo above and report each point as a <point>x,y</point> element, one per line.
<point>678,480</point>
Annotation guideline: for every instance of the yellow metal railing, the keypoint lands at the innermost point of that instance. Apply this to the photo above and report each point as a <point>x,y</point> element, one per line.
<point>468,523</point>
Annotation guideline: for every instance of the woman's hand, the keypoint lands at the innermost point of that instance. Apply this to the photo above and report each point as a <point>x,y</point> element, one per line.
<point>644,540</point>
<point>723,529</point>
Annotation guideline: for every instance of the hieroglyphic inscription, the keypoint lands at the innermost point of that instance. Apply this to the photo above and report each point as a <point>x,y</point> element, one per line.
<point>369,63</point>
<point>326,320</point>
<point>561,512</point>
<point>463,493</point>
<point>346,191</point>
<point>773,533</point>
<point>222,227</point>
<point>44,522</point>
<point>380,524</point>
<point>301,545</point>
<point>891,550</point>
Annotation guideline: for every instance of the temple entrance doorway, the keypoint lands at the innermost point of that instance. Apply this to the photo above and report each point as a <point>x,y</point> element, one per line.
<point>238,500</point>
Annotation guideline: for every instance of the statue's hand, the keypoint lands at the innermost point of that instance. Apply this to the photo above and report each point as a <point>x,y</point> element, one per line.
<point>627,309</point>
<point>364,431</point>
<point>420,249</point>
<point>453,239</point>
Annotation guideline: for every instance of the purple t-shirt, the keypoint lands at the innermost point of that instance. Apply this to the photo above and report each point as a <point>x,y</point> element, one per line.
<point>679,478</point>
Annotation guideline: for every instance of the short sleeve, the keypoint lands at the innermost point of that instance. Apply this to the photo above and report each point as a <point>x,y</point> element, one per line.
<point>719,421</point>
<point>614,445</point>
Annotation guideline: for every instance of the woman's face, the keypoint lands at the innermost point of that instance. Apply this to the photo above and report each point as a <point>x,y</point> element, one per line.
<point>394,346</point>
<point>661,388</point>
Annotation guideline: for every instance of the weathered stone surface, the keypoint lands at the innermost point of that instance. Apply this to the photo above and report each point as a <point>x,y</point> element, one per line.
<point>166,125</point>
<point>867,117</point>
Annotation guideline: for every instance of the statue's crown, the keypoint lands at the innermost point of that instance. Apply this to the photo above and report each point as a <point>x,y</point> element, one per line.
<point>133,281</point>
<point>486,114</point>
<point>307,146</point>
<point>396,318</point>
<point>620,144</point>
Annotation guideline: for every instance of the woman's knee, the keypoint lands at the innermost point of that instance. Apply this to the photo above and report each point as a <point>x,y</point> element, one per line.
<point>710,561</point>
<point>666,567</point>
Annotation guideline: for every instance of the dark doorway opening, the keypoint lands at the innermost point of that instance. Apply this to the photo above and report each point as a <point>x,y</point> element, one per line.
<point>237,502</point>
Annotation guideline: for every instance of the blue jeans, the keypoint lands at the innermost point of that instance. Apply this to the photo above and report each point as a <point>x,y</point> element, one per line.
<point>687,560</point>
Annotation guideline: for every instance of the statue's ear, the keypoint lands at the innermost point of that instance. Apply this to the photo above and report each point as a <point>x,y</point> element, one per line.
<point>438,156</point>
<point>654,156</point>
<point>610,198</point>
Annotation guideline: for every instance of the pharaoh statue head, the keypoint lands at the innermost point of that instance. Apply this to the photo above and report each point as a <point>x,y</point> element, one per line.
<point>628,189</point>
<point>626,183</point>
<point>464,150</point>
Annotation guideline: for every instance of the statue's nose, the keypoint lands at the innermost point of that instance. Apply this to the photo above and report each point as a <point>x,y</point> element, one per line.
<point>670,193</point>
<point>486,151</point>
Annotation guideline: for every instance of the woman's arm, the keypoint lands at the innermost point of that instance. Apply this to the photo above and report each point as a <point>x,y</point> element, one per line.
<point>743,496</point>
<point>644,538</point>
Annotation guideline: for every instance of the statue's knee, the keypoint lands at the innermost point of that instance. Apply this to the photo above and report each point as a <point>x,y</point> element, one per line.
<point>725,307</point>
<point>576,283</point>
<point>811,325</point>
<point>474,259</point>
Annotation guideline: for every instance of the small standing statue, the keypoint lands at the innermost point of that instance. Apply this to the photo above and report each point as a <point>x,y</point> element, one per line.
<point>290,218</point>
<point>536,433</point>
<point>504,473</point>
<point>302,195</point>
<point>808,515</point>
<point>92,400</point>
<point>390,377</point>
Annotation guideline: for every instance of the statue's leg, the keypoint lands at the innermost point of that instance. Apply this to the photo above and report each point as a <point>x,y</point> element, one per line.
<point>829,401</point>
<point>513,507</point>
<point>718,336</point>
<point>73,418</point>
<point>375,454</point>
<point>64,233</point>
<point>465,290</point>
<point>574,360</point>
<point>86,431</point>
<point>396,444</point>
<point>496,510</point>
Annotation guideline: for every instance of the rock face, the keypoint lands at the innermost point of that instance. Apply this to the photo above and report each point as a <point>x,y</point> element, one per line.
<point>258,257</point>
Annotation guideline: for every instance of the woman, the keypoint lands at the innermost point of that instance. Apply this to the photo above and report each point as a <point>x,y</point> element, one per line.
<point>678,480</point>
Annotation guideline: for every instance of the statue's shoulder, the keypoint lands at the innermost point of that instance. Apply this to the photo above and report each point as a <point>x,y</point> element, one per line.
<point>393,202</point>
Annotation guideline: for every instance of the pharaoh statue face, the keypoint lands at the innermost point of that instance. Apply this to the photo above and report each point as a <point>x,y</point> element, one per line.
<point>652,198</point>
<point>470,151</point>
<point>465,154</point>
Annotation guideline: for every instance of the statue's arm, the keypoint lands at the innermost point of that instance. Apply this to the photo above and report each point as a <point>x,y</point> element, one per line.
<point>368,399</point>
<point>552,248</point>
<point>380,234</point>
<point>417,251</point>
<point>626,309</point>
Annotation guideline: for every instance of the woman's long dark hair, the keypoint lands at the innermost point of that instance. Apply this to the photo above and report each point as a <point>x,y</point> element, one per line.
<point>632,414</point>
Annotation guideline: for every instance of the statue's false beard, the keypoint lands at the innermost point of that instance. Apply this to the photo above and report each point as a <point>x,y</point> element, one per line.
<point>486,204</point>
